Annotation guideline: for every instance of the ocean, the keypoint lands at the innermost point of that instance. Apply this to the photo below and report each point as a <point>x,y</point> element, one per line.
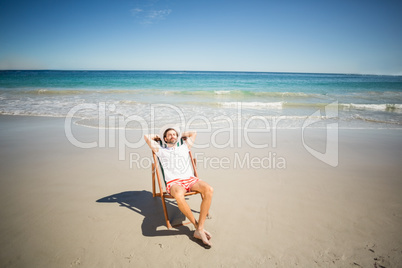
<point>203,100</point>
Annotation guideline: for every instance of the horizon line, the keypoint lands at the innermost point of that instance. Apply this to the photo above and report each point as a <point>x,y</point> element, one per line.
<point>152,70</point>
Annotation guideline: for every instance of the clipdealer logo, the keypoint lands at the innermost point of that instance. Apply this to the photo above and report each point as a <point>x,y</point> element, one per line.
<point>107,136</point>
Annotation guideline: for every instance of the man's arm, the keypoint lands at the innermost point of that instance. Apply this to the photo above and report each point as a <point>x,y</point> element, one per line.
<point>189,137</point>
<point>151,140</point>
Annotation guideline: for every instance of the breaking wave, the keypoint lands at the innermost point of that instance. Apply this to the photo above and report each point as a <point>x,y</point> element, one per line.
<point>376,107</point>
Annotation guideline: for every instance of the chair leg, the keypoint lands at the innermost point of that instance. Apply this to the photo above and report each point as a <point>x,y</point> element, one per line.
<point>168,225</point>
<point>153,180</point>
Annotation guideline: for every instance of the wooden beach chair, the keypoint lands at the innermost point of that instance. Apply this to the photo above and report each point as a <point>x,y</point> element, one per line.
<point>157,170</point>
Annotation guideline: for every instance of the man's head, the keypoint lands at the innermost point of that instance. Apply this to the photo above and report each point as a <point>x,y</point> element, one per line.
<point>170,136</point>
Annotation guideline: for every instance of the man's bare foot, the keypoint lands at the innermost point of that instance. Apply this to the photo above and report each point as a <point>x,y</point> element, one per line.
<point>200,234</point>
<point>209,236</point>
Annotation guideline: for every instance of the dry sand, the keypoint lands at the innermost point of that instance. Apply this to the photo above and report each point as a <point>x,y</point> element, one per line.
<point>63,206</point>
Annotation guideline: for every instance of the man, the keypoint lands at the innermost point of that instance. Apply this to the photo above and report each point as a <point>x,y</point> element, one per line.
<point>179,176</point>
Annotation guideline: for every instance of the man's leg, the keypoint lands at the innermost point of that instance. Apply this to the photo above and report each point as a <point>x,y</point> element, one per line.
<point>178,192</point>
<point>206,191</point>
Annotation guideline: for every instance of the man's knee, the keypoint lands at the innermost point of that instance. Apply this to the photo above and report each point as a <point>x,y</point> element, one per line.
<point>211,190</point>
<point>208,190</point>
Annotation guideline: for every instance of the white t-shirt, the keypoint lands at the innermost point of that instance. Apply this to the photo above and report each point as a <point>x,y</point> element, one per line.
<point>176,162</point>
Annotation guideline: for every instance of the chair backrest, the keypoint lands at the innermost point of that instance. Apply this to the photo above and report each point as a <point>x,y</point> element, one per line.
<point>158,163</point>
<point>158,168</point>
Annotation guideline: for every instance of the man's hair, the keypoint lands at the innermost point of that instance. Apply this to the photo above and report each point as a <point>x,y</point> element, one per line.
<point>167,130</point>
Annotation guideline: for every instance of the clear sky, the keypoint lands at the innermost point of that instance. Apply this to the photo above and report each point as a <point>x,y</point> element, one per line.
<point>334,36</point>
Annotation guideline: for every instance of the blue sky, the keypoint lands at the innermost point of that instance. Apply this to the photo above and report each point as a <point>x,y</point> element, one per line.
<point>343,36</point>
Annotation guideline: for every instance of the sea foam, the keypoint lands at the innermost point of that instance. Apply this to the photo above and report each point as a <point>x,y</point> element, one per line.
<point>255,105</point>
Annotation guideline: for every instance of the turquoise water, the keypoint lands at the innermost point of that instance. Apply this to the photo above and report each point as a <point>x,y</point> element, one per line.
<point>363,101</point>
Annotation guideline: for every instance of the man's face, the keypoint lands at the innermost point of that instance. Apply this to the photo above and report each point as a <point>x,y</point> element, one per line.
<point>171,137</point>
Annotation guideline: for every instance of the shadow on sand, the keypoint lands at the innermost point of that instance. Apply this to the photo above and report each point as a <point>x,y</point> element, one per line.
<point>143,203</point>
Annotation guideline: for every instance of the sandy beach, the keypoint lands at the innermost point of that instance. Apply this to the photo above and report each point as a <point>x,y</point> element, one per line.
<point>64,206</point>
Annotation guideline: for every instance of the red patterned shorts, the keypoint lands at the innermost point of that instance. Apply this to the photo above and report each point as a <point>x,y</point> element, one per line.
<point>185,183</point>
